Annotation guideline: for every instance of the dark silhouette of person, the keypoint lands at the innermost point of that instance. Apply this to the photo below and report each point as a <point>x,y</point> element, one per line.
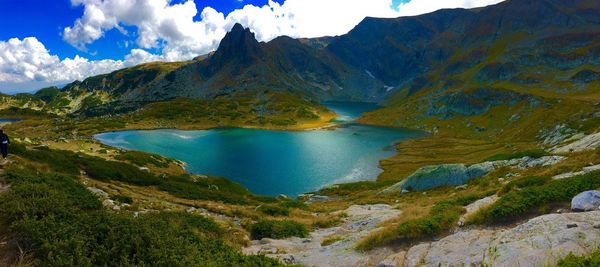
<point>4,141</point>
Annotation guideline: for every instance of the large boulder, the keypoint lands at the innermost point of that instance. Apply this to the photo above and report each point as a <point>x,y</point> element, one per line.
<point>441,175</point>
<point>586,201</point>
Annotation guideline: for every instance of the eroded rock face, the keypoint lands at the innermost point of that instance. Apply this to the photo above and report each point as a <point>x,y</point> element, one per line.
<point>539,242</point>
<point>586,201</point>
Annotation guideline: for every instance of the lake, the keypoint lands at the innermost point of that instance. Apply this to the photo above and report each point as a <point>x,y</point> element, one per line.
<point>4,120</point>
<point>276,162</point>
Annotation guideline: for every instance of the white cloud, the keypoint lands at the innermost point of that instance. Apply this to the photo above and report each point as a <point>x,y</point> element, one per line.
<point>27,64</point>
<point>417,7</point>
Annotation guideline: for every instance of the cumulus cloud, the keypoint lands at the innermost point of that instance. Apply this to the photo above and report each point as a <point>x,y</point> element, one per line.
<point>26,63</point>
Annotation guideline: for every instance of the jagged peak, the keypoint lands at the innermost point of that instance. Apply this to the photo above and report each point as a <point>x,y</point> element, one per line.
<point>239,44</point>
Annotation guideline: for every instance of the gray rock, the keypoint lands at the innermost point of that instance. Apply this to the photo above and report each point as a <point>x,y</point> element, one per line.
<point>433,176</point>
<point>541,241</point>
<point>589,142</point>
<point>586,201</point>
<point>394,260</point>
<point>439,175</point>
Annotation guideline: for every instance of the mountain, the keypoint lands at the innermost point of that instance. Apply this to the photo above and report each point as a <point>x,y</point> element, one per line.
<point>437,66</point>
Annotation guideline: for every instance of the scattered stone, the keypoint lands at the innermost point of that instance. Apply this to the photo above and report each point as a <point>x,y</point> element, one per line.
<point>571,225</point>
<point>144,169</point>
<point>586,201</point>
<point>597,226</point>
<point>461,187</point>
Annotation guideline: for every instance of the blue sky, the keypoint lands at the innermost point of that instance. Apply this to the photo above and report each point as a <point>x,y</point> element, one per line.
<point>54,42</point>
<point>46,19</point>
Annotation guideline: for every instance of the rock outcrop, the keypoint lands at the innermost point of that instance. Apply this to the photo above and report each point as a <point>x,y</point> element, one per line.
<point>541,241</point>
<point>583,171</point>
<point>429,177</point>
<point>589,142</point>
<point>586,201</point>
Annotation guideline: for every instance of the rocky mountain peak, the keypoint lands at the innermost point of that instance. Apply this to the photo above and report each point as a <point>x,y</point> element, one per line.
<point>239,45</point>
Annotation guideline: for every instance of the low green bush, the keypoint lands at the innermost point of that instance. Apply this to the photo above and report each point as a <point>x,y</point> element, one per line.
<point>580,261</point>
<point>123,199</point>
<point>515,204</point>
<point>63,224</point>
<point>274,210</point>
<point>142,159</point>
<point>184,186</point>
<point>523,183</point>
<point>277,229</point>
<point>211,188</point>
<point>536,153</point>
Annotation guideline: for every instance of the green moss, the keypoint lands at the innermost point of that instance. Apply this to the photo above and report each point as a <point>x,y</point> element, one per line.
<point>277,229</point>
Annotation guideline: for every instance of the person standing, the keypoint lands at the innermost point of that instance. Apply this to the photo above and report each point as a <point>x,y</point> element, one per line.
<point>4,141</point>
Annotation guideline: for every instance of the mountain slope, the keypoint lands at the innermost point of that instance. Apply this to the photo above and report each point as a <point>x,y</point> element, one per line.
<point>520,64</point>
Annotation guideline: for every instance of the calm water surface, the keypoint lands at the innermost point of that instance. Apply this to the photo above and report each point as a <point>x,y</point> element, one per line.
<point>275,162</point>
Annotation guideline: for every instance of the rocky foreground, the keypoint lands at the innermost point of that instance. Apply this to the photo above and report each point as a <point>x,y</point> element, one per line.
<point>541,241</point>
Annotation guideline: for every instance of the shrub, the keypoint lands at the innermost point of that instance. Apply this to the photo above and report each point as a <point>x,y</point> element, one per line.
<point>524,182</point>
<point>515,204</point>
<point>211,188</point>
<point>273,210</point>
<point>65,225</point>
<point>580,261</point>
<point>142,159</point>
<point>277,229</point>
<point>123,199</point>
<point>104,170</point>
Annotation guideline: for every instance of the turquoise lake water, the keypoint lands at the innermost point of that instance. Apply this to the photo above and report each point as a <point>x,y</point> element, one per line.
<point>275,162</point>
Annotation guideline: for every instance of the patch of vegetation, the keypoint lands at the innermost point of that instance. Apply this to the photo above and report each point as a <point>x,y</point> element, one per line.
<point>330,240</point>
<point>536,153</point>
<point>63,224</point>
<point>516,204</point>
<point>123,199</point>
<point>580,261</point>
<point>184,186</point>
<point>142,159</point>
<point>442,216</point>
<point>523,183</point>
<point>273,210</point>
<point>211,188</point>
<point>277,229</point>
